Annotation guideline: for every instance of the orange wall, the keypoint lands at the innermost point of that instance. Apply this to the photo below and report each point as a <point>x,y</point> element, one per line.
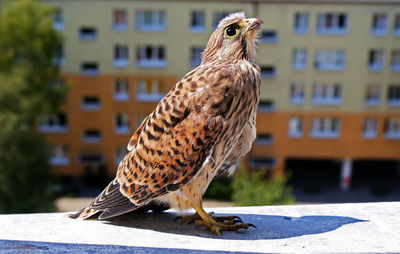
<point>103,119</point>
<point>349,144</point>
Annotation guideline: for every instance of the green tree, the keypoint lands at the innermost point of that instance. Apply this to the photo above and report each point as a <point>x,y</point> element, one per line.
<point>29,87</point>
<point>253,189</point>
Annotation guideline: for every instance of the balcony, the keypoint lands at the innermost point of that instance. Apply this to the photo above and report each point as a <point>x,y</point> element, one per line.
<point>295,133</point>
<point>58,61</point>
<point>122,130</point>
<point>197,29</point>
<point>141,27</point>
<point>151,63</point>
<point>372,102</point>
<point>378,31</point>
<point>88,34</point>
<point>59,161</point>
<point>392,135</point>
<point>89,69</point>
<point>149,97</point>
<point>370,134</point>
<point>120,62</point>
<point>121,96</point>
<point>58,25</point>
<point>324,134</point>
<point>298,66</point>
<point>393,102</point>
<point>300,30</point>
<point>395,67</point>
<point>328,101</point>
<point>375,67</point>
<point>90,106</point>
<point>120,27</point>
<point>195,62</point>
<point>91,137</point>
<point>329,67</point>
<point>53,128</point>
<point>296,100</point>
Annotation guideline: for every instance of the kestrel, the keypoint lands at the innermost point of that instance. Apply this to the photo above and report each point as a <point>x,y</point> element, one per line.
<point>201,128</point>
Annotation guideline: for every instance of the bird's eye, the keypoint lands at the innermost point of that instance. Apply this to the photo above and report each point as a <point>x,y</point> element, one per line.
<point>231,32</point>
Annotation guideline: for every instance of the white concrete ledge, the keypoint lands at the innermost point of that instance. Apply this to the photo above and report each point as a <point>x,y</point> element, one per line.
<point>333,228</point>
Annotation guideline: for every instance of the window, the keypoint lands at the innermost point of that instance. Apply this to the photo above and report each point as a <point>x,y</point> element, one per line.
<point>299,59</point>
<point>120,153</point>
<point>392,128</point>
<point>369,127</point>
<point>375,60</point>
<point>121,124</point>
<point>379,24</point>
<point>268,36</point>
<point>395,60</point>
<point>121,90</point>
<point>53,123</point>
<point>89,69</point>
<point>265,105</point>
<point>150,90</point>
<point>296,94</point>
<point>59,56</point>
<point>119,20</point>
<point>195,56</point>
<point>120,56</point>
<point>372,95</point>
<point>295,127</point>
<point>88,33</point>
<point>330,60</point>
<point>264,139</point>
<point>218,16</point>
<point>262,162</point>
<point>327,94</point>
<point>151,21</point>
<point>59,155</point>
<point>151,57</point>
<point>397,25</point>
<point>332,23</point>
<point>300,25</point>
<point>197,22</point>
<point>90,103</point>
<point>393,96</point>
<point>324,127</point>
<point>268,71</point>
<point>58,20</point>
<point>91,136</point>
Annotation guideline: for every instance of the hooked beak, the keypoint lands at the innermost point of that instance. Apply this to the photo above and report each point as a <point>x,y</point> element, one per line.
<point>253,24</point>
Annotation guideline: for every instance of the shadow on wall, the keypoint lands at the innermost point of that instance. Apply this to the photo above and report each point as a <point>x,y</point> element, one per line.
<point>268,226</point>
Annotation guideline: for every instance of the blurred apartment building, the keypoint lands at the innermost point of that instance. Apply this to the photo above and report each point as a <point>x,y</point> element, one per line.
<point>330,77</point>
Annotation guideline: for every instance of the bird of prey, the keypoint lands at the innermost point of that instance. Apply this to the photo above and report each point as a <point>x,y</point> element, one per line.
<point>201,128</point>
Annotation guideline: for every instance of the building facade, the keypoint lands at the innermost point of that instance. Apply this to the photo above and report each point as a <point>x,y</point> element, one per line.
<point>330,76</point>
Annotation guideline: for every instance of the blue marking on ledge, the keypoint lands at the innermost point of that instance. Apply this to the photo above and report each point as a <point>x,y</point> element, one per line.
<point>12,246</point>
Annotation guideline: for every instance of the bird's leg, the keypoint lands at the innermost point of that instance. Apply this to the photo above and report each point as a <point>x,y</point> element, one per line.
<point>191,218</point>
<point>215,225</point>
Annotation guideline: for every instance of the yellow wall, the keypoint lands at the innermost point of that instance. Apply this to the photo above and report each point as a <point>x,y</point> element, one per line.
<point>178,40</point>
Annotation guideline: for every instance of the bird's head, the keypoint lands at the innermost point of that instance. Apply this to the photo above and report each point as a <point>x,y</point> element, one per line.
<point>234,39</point>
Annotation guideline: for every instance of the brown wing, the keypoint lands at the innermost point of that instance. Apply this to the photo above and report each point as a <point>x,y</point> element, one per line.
<point>172,143</point>
<point>168,154</point>
<point>133,141</point>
